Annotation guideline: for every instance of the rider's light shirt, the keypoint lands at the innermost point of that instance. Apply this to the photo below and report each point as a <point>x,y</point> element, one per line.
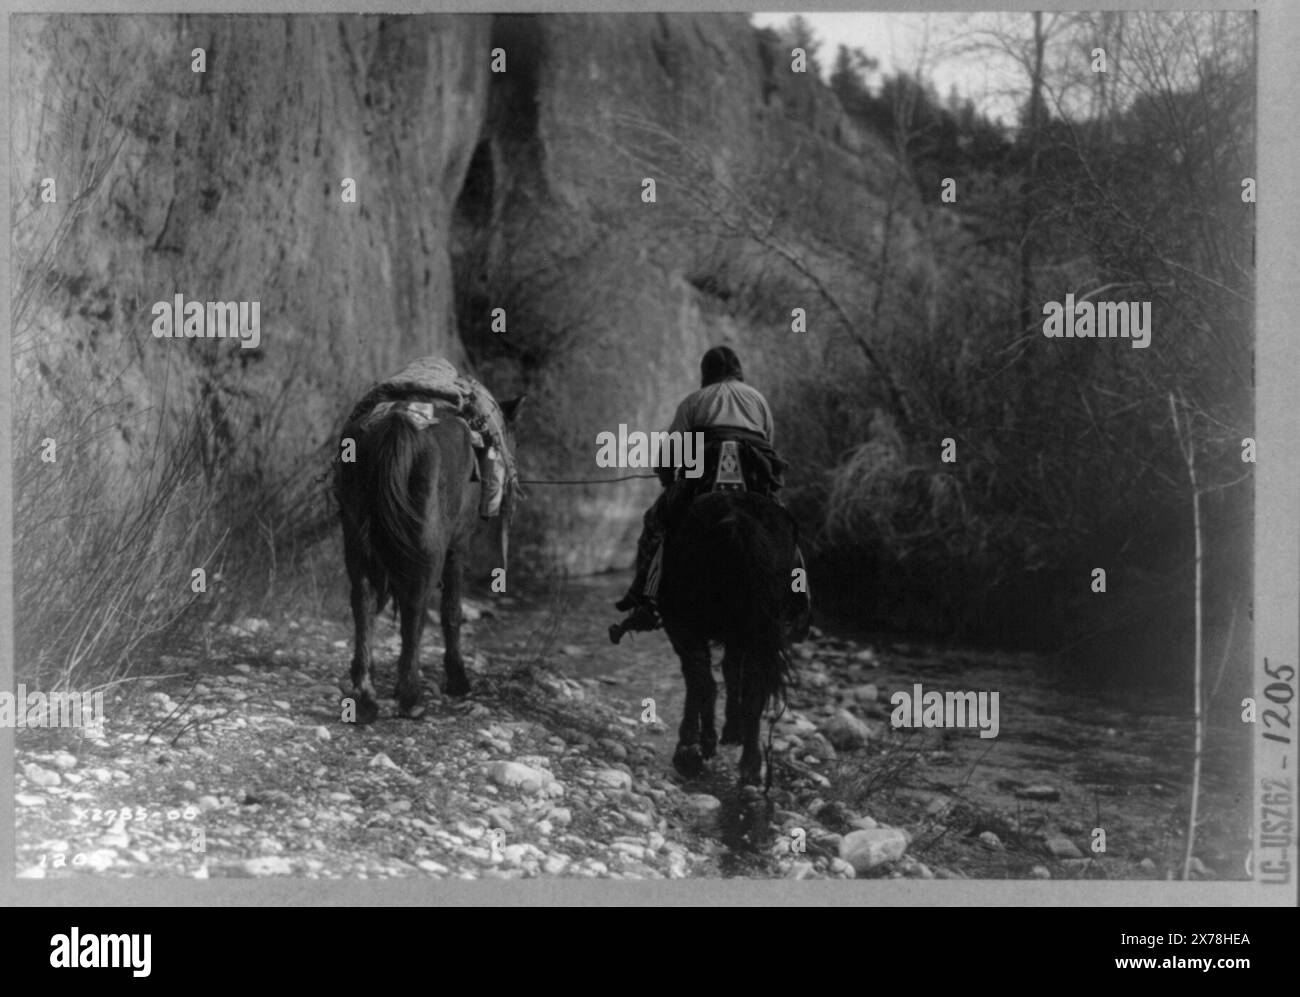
<point>726,403</point>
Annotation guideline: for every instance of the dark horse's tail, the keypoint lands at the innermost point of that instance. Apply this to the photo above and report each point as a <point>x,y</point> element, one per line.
<point>385,491</point>
<point>744,565</point>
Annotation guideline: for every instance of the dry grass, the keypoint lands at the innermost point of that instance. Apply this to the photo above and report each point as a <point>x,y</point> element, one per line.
<point>96,577</point>
<point>103,560</point>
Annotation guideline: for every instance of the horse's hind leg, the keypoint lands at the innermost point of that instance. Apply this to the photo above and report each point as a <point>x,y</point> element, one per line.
<point>407,691</point>
<point>751,721</point>
<point>689,757</point>
<point>364,607</point>
<point>456,682</point>
<point>731,727</point>
<point>708,702</point>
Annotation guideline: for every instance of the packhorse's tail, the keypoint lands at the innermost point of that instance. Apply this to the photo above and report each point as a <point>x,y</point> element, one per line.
<point>392,460</point>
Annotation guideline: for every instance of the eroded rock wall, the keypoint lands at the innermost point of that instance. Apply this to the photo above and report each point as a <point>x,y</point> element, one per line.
<point>226,185</point>
<point>474,190</point>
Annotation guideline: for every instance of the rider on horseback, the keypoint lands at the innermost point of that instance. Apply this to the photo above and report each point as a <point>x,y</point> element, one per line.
<point>732,415</point>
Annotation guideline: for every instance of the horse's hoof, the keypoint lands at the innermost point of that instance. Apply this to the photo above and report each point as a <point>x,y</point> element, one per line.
<point>408,700</point>
<point>456,686</point>
<point>412,712</point>
<point>729,733</point>
<point>688,760</point>
<point>367,710</point>
<point>708,746</point>
<point>751,776</point>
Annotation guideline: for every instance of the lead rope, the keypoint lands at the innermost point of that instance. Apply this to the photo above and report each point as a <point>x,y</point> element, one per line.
<point>582,481</point>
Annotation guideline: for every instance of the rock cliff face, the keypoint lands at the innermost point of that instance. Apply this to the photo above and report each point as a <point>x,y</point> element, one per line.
<point>475,190</point>
<point>226,185</point>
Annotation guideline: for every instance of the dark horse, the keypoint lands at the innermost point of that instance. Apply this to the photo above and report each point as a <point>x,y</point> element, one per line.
<point>726,578</point>
<point>409,504</point>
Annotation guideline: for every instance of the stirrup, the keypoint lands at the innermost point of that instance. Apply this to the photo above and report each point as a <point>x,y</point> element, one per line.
<point>644,617</point>
<point>629,602</point>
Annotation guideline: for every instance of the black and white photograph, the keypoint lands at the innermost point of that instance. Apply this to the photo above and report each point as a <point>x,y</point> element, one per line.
<point>720,448</point>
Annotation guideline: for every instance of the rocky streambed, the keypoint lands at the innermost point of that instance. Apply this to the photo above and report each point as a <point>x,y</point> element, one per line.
<point>233,762</point>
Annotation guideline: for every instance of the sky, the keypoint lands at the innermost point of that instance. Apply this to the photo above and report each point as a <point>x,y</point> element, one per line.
<point>899,40</point>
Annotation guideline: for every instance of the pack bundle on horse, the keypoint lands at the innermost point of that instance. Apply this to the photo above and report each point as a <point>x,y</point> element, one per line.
<point>431,456</point>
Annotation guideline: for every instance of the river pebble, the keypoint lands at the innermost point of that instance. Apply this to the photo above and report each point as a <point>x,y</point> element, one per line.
<point>614,778</point>
<point>517,775</point>
<point>846,731</point>
<point>1063,848</point>
<point>868,849</point>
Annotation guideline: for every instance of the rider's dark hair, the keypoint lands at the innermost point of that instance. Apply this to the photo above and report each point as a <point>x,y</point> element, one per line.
<point>720,364</point>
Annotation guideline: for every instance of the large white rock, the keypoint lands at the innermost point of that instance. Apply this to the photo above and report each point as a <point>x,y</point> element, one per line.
<point>867,849</point>
<point>268,865</point>
<point>40,776</point>
<point>845,731</point>
<point>614,778</point>
<point>516,775</point>
<point>702,809</point>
